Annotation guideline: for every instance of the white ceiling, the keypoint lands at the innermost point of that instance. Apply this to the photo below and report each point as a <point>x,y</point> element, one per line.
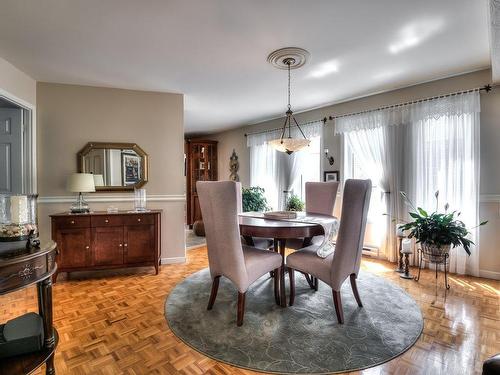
<point>214,51</point>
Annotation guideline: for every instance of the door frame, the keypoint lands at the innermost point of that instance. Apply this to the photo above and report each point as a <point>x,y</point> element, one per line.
<point>29,141</point>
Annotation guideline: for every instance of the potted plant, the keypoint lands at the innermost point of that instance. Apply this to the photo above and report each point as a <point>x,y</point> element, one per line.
<point>437,232</point>
<point>294,203</point>
<point>254,200</point>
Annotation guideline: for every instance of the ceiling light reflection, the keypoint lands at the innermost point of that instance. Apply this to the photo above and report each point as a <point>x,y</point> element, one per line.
<point>415,33</point>
<point>324,69</point>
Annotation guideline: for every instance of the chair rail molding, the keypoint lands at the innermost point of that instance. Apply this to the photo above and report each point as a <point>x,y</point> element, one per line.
<point>105,198</point>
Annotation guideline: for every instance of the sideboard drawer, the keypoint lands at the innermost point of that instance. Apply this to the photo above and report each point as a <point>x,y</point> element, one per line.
<point>73,222</point>
<point>138,219</point>
<point>107,221</point>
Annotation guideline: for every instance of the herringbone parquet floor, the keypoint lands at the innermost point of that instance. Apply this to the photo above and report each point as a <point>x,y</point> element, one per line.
<point>113,323</point>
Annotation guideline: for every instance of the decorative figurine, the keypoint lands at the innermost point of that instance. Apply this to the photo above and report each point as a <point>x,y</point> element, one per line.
<point>234,166</point>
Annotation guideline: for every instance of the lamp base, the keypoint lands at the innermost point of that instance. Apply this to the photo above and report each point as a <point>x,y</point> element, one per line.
<point>80,206</point>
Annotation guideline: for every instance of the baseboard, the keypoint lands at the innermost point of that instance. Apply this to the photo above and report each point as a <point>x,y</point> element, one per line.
<point>173,260</point>
<point>105,198</point>
<point>489,274</point>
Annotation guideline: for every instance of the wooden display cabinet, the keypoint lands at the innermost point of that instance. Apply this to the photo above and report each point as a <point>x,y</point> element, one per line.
<point>201,165</point>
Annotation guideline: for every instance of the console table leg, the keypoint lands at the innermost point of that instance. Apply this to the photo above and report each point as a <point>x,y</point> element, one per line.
<point>49,367</point>
<point>45,303</point>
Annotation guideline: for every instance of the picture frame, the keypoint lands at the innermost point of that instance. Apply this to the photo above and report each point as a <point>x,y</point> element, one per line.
<point>131,168</point>
<point>329,176</point>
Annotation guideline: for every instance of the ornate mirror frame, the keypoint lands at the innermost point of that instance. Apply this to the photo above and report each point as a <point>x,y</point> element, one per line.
<point>120,146</point>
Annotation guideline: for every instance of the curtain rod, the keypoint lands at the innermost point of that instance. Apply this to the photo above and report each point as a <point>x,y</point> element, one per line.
<point>486,88</point>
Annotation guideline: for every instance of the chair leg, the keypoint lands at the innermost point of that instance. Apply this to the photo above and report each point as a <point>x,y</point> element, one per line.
<point>291,273</point>
<point>241,309</point>
<point>354,287</point>
<point>316,284</point>
<point>338,306</point>
<point>213,293</point>
<point>276,273</point>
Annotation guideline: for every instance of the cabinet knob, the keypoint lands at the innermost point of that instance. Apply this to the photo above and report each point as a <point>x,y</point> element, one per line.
<point>72,222</point>
<point>125,245</point>
<point>87,247</point>
<point>139,220</point>
<point>120,245</point>
<point>106,221</point>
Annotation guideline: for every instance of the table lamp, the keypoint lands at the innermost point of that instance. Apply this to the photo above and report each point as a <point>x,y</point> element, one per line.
<point>80,183</point>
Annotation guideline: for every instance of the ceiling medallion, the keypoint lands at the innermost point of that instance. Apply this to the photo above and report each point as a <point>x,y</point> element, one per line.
<point>289,58</point>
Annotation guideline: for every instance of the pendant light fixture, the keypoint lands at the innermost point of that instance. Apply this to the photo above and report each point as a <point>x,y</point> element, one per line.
<point>289,58</point>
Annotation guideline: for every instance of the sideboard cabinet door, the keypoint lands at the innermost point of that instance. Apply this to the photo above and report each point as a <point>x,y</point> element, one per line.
<point>107,246</point>
<point>74,247</point>
<point>139,243</point>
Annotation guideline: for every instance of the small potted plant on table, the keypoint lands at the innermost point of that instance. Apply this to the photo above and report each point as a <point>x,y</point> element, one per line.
<point>437,233</point>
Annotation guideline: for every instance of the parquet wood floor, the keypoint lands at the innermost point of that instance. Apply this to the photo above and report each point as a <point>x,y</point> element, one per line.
<point>113,323</point>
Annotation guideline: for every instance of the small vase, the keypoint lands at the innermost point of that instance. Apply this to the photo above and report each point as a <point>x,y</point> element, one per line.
<point>140,200</point>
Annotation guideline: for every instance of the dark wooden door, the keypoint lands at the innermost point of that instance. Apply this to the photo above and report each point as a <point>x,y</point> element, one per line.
<point>139,243</point>
<point>107,246</point>
<point>74,247</point>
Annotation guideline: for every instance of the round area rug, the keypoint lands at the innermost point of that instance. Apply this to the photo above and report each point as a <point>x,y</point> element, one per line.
<point>302,339</point>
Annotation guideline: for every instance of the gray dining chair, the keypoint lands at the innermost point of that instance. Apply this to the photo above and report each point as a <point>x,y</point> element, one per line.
<point>320,199</point>
<point>345,261</point>
<point>227,257</point>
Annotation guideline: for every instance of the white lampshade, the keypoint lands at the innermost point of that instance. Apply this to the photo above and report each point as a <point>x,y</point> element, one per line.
<point>289,145</point>
<point>81,183</point>
<point>98,180</point>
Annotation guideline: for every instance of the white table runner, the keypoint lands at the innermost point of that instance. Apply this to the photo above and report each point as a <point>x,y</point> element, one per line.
<point>330,226</point>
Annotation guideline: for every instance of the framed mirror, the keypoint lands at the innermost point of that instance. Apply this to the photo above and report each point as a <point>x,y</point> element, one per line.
<point>115,166</point>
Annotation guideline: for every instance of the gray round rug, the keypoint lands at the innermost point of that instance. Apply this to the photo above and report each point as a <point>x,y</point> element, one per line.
<point>302,339</point>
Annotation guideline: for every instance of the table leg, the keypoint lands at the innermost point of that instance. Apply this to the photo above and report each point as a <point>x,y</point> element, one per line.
<point>279,246</point>
<point>45,304</point>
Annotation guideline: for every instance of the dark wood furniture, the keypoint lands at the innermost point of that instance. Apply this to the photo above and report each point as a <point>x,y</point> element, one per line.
<point>280,231</point>
<point>18,270</point>
<point>101,240</point>
<point>201,165</point>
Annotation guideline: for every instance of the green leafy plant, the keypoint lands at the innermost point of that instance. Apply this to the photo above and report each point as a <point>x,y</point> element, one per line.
<point>436,228</point>
<point>294,203</point>
<point>254,199</point>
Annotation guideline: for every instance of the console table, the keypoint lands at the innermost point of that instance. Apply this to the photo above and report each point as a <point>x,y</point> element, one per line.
<point>19,269</point>
<point>102,240</point>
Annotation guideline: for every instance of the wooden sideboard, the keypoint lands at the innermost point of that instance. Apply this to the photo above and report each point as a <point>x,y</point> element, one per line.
<point>101,240</point>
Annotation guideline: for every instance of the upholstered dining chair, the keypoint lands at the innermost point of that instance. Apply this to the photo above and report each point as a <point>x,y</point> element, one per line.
<point>345,261</point>
<point>320,199</point>
<point>227,257</point>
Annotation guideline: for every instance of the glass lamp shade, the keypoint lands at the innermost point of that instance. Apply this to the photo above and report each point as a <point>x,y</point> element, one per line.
<point>289,145</point>
<point>81,183</point>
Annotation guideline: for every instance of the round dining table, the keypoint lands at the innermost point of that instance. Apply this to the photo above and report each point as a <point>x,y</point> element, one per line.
<point>251,225</point>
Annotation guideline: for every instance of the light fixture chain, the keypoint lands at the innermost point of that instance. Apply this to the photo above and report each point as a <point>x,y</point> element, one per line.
<point>289,89</point>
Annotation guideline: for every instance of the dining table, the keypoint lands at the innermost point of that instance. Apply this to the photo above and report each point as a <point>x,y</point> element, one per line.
<point>304,226</point>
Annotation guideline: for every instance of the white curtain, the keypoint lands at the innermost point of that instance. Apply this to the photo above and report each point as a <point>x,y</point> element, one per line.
<point>375,146</point>
<point>445,156</point>
<point>267,170</point>
<point>422,148</point>
<point>277,172</point>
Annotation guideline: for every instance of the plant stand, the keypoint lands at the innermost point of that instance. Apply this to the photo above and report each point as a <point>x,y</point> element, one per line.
<point>431,257</point>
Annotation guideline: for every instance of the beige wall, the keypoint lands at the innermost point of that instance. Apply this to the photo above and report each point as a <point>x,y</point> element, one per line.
<point>17,83</point>
<point>490,146</point>
<point>69,116</point>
